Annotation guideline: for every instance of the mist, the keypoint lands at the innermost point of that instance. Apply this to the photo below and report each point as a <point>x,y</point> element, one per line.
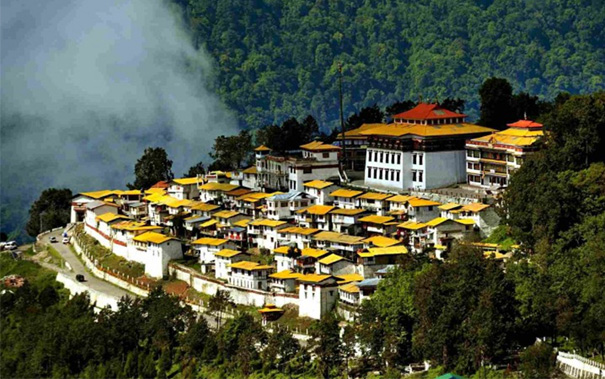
<point>86,85</point>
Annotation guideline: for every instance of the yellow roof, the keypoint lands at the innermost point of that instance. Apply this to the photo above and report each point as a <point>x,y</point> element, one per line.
<point>318,145</point>
<point>437,221</point>
<point>134,226</point>
<point>412,225</point>
<point>108,217</point>
<point>319,184</point>
<point>512,137</point>
<point>377,251</point>
<point>153,237</point>
<point>214,186</point>
<point>179,203</point>
<point>381,241</point>
<point>348,212</point>
<point>250,170</point>
<point>415,202</point>
<point>474,207</point>
<point>465,221</point>
<point>317,209</point>
<point>399,130</point>
<point>400,198</point>
<point>225,214</point>
<point>204,207</point>
<point>186,181</point>
<point>494,254</point>
<point>242,223</point>
<point>128,192</point>
<point>154,197</point>
<point>348,278</point>
<point>338,238</point>
<point>314,253</point>
<point>262,148</point>
<point>155,190</point>
<point>331,259</point>
<point>345,193</point>
<point>285,274</point>
<point>349,288</point>
<point>281,250</point>
<point>374,196</point>
<point>313,278</point>
<point>208,223</point>
<point>256,196</point>
<point>449,206</point>
<point>228,253</point>
<point>250,266</point>
<point>377,219</point>
<point>356,133</point>
<point>299,230</point>
<point>98,194</point>
<point>271,310</point>
<point>209,241</point>
<point>267,222</point>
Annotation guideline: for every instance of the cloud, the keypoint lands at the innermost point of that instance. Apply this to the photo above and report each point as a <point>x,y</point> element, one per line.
<point>86,85</point>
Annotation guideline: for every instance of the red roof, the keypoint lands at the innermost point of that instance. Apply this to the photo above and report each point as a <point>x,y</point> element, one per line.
<point>424,111</point>
<point>525,124</point>
<point>160,184</point>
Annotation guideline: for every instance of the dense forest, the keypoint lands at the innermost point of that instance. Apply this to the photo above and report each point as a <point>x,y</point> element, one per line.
<point>275,60</point>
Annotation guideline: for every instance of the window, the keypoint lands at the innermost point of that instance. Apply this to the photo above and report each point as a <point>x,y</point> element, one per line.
<point>413,176</point>
<point>380,157</point>
<point>398,159</point>
<point>430,208</point>
<point>469,166</point>
<point>420,159</point>
<point>419,176</point>
<point>307,170</point>
<point>326,155</point>
<point>398,175</point>
<point>413,158</point>
<point>380,174</point>
<point>369,156</point>
<point>392,175</point>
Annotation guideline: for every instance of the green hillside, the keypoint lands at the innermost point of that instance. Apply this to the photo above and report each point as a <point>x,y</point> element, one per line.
<point>277,59</point>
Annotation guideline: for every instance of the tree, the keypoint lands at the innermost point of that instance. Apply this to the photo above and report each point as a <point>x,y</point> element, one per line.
<point>496,103</point>
<point>195,170</point>
<point>290,135</point>
<point>538,361</point>
<point>399,107</point>
<point>230,153</point>
<point>152,167</point>
<point>51,210</point>
<point>454,105</point>
<point>367,115</point>
<point>327,346</point>
<point>218,304</point>
<point>281,348</point>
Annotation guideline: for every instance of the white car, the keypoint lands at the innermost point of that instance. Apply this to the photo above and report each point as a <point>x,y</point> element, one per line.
<point>53,239</point>
<point>65,239</point>
<point>10,245</point>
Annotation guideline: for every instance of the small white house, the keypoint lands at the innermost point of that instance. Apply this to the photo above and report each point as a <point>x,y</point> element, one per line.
<point>345,219</point>
<point>317,295</point>
<point>184,188</point>
<point>159,249</point>
<point>381,225</point>
<point>422,210</point>
<point>224,259</point>
<point>347,199</point>
<point>283,281</point>
<point>206,248</point>
<point>264,232</point>
<point>93,210</point>
<point>315,216</point>
<point>321,190</point>
<point>334,264</point>
<point>283,206</point>
<point>250,275</point>
<point>300,236</point>
<point>285,257</point>
<point>374,202</point>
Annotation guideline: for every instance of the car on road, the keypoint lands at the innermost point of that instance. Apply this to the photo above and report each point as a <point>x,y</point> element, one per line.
<point>65,240</point>
<point>80,278</point>
<point>10,245</point>
<point>53,239</point>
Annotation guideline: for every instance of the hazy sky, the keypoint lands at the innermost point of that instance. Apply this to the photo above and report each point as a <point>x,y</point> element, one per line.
<point>86,85</point>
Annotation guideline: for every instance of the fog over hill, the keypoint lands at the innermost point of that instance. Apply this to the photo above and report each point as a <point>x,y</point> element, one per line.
<point>86,85</point>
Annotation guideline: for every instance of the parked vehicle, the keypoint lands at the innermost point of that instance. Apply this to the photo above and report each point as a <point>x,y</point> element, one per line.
<point>2,245</point>
<point>65,240</point>
<point>10,245</point>
<point>53,239</point>
<point>80,278</point>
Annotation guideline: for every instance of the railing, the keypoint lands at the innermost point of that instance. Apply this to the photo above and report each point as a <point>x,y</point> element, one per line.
<point>579,367</point>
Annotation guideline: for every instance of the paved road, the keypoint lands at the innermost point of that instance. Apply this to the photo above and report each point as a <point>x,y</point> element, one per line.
<point>78,267</point>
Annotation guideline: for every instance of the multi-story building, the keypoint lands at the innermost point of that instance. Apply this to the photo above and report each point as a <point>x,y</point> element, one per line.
<point>184,188</point>
<point>491,159</point>
<point>321,190</point>
<point>355,147</point>
<point>424,148</point>
<point>284,205</point>
<point>224,259</point>
<point>250,275</point>
<point>318,161</point>
<point>317,295</point>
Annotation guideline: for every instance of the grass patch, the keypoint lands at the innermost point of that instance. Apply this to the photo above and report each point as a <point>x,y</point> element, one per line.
<point>501,237</point>
<point>291,320</point>
<point>55,257</point>
<point>193,263</point>
<point>35,274</point>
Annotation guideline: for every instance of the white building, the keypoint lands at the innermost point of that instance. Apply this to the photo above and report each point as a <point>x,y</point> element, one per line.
<point>422,210</point>
<point>79,202</point>
<point>302,237</point>
<point>184,188</point>
<point>250,275</point>
<point>213,192</point>
<point>283,281</point>
<point>264,232</point>
<point>317,295</point>
<point>345,220</point>
<point>378,225</point>
<point>346,199</point>
<point>375,202</point>
<point>285,257</point>
<point>93,210</point>
<point>334,264</point>
<point>321,190</point>
<point>283,206</point>
<point>103,232</point>
<point>319,162</point>
<point>344,244</point>
<point>315,216</point>
<point>205,248</point>
<point>157,250</point>
<point>490,160</point>
<point>424,148</point>
<point>224,259</point>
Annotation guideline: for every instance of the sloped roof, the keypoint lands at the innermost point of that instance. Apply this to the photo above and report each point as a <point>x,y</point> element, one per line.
<point>374,196</point>
<point>424,111</point>
<point>331,259</point>
<point>316,209</point>
<point>381,241</point>
<point>286,274</point>
<point>374,219</point>
<point>319,184</point>
<point>228,253</point>
<point>318,145</point>
<point>416,202</point>
<point>341,192</point>
<point>250,266</point>
<point>209,241</point>
<point>153,237</point>
<point>186,181</point>
<point>525,124</point>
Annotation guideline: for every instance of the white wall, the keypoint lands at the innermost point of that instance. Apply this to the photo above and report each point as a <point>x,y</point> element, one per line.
<point>444,168</point>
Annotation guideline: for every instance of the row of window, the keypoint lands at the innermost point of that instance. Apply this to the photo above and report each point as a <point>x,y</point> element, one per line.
<point>384,174</point>
<point>384,157</point>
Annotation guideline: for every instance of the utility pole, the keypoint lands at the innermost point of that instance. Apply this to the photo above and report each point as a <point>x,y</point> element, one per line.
<point>342,121</point>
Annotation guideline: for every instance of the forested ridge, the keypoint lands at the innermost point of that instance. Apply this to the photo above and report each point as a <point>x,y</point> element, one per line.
<point>275,60</point>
